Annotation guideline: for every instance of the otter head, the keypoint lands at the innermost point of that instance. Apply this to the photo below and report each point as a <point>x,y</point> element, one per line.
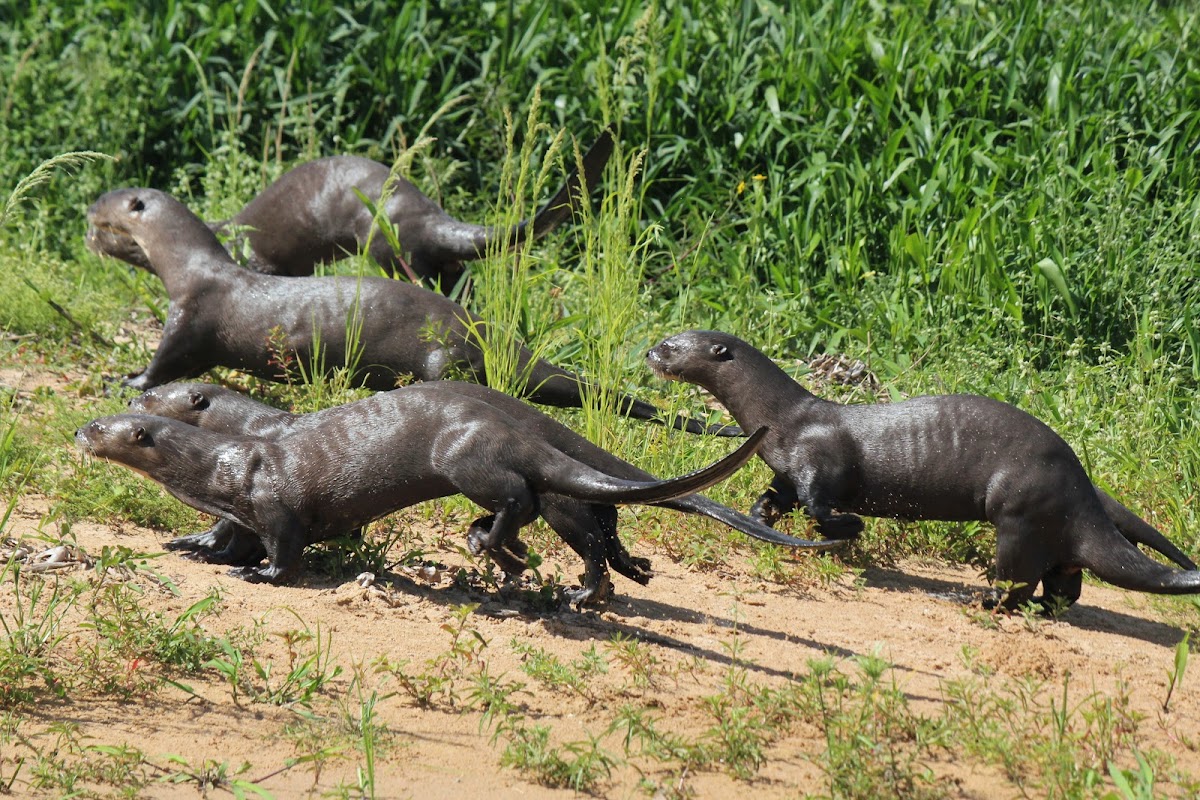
<point>146,228</point>
<point>185,402</point>
<point>694,356</point>
<point>128,439</point>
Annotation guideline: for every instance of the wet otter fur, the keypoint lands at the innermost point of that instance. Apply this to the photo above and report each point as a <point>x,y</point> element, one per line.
<point>949,457</point>
<point>590,529</point>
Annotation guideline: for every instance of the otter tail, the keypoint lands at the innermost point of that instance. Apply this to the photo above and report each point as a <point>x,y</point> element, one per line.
<point>562,474</point>
<point>465,241</point>
<point>1115,560</point>
<point>1138,531</point>
<point>553,386</point>
<point>701,505</point>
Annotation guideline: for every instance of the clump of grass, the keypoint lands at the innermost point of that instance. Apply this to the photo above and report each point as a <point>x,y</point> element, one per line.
<point>441,679</point>
<point>309,668</point>
<point>1039,735</point>
<point>574,765</point>
<point>506,277</point>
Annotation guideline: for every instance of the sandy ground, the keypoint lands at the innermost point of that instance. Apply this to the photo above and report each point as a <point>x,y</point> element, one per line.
<point>688,624</point>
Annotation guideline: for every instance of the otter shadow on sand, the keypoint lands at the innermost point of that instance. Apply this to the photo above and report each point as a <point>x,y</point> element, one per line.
<point>591,626</point>
<point>1080,615</point>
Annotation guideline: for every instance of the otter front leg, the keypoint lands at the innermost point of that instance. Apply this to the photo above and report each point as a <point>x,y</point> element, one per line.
<point>818,503</point>
<point>283,540</point>
<point>835,526</point>
<point>176,356</point>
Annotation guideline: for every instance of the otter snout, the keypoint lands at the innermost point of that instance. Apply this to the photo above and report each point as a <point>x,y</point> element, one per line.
<point>83,438</point>
<point>656,359</point>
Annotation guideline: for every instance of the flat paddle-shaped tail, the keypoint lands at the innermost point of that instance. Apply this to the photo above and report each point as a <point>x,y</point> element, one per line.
<point>747,525</point>
<point>1115,560</point>
<point>1138,531</point>
<point>586,483</point>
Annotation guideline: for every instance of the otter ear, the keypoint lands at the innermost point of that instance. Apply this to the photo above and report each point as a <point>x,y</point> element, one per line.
<point>720,352</point>
<point>140,435</point>
<point>136,205</point>
<point>197,400</point>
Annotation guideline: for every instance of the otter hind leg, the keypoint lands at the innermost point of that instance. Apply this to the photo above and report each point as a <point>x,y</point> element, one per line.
<point>780,498</point>
<point>1060,589</point>
<point>586,528</point>
<point>1021,563</point>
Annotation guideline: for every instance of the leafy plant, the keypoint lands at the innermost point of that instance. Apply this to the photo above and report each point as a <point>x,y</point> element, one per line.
<point>1175,676</point>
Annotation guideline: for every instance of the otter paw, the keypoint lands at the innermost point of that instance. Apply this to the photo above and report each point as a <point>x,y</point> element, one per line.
<point>840,526</point>
<point>635,568</point>
<point>196,541</point>
<point>267,574</point>
<point>765,511</point>
<point>479,536</point>
<point>590,596</point>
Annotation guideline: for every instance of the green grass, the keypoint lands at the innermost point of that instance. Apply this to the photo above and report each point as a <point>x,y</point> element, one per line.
<point>988,198</point>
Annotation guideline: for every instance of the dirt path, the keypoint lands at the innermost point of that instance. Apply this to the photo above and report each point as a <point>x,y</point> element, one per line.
<point>686,623</point>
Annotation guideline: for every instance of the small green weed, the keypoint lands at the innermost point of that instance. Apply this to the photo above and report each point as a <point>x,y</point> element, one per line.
<point>574,765</point>
<point>1175,675</point>
<point>440,681</point>
<point>548,670</point>
<point>309,669</point>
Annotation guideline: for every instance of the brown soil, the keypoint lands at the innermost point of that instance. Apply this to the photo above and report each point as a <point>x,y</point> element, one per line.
<point>917,616</point>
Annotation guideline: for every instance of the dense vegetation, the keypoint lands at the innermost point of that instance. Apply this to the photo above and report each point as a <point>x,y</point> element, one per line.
<point>1019,170</point>
<point>993,197</point>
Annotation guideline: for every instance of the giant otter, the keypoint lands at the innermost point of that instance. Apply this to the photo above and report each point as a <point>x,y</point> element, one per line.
<point>950,457</point>
<point>312,215</point>
<point>366,459</point>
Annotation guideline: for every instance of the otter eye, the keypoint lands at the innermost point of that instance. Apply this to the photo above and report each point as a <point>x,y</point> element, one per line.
<point>136,205</point>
